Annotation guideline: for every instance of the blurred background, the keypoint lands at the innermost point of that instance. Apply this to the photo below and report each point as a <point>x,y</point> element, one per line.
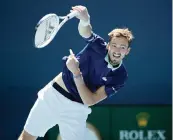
<point>139,111</point>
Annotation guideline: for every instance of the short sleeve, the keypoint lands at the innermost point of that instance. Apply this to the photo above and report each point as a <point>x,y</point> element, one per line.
<point>111,90</point>
<point>114,84</point>
<point>93,38</point>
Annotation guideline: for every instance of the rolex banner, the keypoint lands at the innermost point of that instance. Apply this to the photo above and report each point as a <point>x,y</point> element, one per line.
<point>122,122</point>
<point>141,123</point>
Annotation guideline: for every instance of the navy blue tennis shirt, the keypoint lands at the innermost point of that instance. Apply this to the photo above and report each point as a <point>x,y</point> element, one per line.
<point>96,69</point>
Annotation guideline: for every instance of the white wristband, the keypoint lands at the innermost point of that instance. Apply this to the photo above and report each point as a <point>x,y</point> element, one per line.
<point>84,23</point>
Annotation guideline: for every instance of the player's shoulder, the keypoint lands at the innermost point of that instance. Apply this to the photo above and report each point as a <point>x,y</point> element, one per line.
<point>123,69</point>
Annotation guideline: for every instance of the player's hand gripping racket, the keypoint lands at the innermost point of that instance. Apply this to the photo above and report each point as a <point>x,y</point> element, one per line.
<point>48,27</point>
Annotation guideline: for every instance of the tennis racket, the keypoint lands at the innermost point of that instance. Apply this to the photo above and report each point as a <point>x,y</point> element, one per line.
<point>48,26</point>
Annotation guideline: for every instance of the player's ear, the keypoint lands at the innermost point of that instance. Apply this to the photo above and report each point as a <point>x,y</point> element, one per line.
<point>128,50</point>
<point>107,47</point>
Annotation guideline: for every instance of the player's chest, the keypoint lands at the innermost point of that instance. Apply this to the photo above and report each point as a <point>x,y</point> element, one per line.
<point>100,73</point>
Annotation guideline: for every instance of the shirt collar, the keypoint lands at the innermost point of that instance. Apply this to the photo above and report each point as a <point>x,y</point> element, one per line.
<point>109,65</point>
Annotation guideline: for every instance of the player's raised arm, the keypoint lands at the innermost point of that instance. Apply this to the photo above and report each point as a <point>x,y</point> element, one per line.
<point>84,26</point>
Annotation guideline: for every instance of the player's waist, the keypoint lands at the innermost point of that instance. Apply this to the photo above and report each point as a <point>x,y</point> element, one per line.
<point>63,92</point>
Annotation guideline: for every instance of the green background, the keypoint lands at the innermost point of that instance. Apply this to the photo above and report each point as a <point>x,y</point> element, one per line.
<point>110,119</point>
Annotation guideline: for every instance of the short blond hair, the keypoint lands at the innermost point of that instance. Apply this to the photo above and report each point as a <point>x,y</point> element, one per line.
<point>124,32</point>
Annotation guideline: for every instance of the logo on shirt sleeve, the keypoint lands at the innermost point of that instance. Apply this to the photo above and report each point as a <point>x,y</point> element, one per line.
<point>104,78</point>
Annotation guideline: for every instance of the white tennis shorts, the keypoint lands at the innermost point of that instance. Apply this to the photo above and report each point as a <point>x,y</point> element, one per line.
<point>53,108</point>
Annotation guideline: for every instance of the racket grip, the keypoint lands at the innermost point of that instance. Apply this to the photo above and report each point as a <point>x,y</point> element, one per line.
<point>72,14</point>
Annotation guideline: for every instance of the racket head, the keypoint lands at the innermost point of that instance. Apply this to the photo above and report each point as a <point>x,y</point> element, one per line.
<point>45,30</point>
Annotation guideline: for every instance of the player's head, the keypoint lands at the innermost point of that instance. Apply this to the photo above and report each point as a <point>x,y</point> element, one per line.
<point>119,44</point>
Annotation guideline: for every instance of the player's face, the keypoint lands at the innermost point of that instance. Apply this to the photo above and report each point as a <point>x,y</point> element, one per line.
<point>117,49</point>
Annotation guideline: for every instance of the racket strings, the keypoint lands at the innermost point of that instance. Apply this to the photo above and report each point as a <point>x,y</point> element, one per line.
<point>48,27</point>
<point>49,30</point>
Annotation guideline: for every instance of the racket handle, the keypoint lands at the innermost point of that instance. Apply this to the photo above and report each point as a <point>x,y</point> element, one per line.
<point>72,14</point>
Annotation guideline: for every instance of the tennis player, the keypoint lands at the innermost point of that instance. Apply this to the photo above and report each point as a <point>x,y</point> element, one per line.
<point>95,73</point>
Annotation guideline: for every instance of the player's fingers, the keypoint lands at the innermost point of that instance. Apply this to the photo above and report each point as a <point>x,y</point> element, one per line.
<point>71,52</point>
<point>81,7</point>
<point>77,9</point>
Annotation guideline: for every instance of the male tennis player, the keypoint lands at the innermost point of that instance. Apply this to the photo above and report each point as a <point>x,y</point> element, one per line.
<point>95,73</point>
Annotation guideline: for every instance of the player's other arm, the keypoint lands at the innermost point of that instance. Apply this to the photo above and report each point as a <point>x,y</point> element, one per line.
<point>89,98</point>
<point>84,26</point>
